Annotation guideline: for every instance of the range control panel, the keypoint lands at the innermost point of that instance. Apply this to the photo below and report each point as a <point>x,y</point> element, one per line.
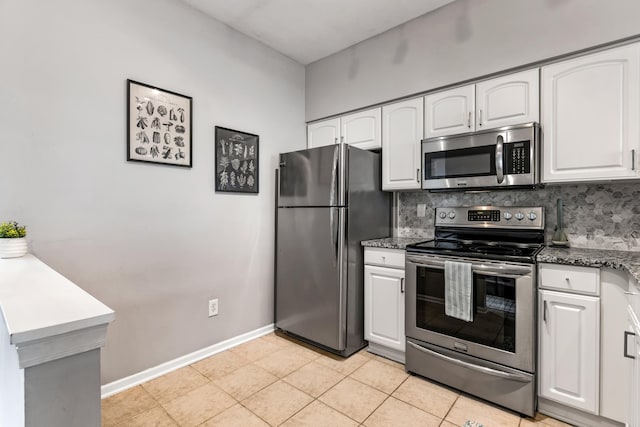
<point>480,215</point>
<point>491,216</point>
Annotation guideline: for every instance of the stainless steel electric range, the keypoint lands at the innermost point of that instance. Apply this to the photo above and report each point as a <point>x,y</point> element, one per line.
<point>493,355</point>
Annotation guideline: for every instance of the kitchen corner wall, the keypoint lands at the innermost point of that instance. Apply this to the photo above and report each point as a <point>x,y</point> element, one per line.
<point>604,216</point>
<point>153,242</point>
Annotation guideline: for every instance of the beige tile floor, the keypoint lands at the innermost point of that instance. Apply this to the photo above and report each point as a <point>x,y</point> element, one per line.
<point>275,381</point>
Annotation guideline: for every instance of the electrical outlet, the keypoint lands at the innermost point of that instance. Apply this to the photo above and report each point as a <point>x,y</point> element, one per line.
<point>422,210</point>
<point>213,307</point>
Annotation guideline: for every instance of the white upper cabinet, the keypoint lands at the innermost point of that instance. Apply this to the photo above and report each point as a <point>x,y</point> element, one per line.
<point>450,112</point>
<point>362,129</point>
<point>508,100</point>
<point>503,101</point>
<point>323,133</point>
<point>590,116</point>
<point>402,129</point>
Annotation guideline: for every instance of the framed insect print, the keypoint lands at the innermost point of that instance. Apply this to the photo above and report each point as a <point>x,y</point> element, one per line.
<point>236,161</point>
<point>159,125</point>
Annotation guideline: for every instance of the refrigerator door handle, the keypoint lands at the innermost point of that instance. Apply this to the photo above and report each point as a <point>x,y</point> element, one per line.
<point>341,165</point>
<point>342,316</point>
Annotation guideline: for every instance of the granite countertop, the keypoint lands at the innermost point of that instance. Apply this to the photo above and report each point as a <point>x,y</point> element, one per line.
<point>627,261</point>
<point>392,242</point>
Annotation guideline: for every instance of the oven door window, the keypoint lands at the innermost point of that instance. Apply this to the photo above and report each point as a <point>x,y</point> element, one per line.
<point>467,162</point>
<point>493,305</point>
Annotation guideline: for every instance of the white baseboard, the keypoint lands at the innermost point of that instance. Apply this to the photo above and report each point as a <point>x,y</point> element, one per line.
<point>157,371</point>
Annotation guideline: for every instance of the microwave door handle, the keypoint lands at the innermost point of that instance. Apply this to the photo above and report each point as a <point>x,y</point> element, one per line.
<point>499,159</point>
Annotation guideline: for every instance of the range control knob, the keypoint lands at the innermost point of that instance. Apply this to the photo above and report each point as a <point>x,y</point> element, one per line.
<point>532,216</point>
<point>443,215</point>
<point>452,215</point>
<point>508,216</point>
<point>519,216</point>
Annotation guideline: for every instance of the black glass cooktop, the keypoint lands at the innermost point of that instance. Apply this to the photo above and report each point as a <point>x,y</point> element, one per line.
<point>479,249</point>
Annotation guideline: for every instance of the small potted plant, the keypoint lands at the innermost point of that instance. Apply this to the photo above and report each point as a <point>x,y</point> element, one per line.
<point>13,243</point>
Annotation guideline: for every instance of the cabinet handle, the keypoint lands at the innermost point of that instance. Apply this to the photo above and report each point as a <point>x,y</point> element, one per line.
<point>626,344</point>
<point>469,120</point>
<point>544,312</point>
<point>418,175</point>
<point>480,118</point>
<point>633,159</point>
<point>335,139</point>
<point>402,290</point>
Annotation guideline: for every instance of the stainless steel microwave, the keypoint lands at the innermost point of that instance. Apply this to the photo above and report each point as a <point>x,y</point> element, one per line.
<point>502,157</point>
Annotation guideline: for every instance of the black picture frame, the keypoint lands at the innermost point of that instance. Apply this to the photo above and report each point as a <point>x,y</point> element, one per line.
<point>159,126</point>
<point>237,163</point>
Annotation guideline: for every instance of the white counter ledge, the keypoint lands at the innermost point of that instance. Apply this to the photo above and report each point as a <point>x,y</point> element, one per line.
<point>51,332</point>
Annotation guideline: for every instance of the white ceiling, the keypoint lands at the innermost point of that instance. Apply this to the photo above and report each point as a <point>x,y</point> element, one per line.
<point>308,30</point>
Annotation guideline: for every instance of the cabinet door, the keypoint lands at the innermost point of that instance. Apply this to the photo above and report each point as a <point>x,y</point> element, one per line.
<point>635,396</point>
<point>508,100</point>
<point>362,129</point>
<point>323,133</point>
<point>590,110</point>
<point>450,112</point>
<point>569,349</point>
<point>384,306</point>
<point>615,368</point>
<point>402,132</point>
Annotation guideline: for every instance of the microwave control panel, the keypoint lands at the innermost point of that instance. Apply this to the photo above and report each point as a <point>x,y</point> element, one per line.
<point>517,158</point>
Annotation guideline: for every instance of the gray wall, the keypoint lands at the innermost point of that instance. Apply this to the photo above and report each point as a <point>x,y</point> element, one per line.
<point>64,392</point>
<point>462,40</point>
<point>152,242</point>
<point>603,216</point>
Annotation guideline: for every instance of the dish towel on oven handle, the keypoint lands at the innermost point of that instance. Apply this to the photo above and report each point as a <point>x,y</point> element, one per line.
<point>458,290</point>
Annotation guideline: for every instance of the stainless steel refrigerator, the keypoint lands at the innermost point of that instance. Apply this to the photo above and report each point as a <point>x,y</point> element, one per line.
<point>329,200</point>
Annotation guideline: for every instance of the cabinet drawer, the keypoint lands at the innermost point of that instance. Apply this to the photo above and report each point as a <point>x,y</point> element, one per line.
<point>585,280</point>
<point>383,256</point>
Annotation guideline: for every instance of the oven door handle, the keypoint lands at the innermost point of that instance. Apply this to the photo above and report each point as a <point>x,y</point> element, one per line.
<point>482,369</point>
<point>490,270</point>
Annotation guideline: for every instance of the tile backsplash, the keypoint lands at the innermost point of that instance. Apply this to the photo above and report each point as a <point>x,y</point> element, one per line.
<point>603,216</point>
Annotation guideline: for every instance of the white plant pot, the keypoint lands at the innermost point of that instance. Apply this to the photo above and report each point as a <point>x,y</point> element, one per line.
<point>13,248</point>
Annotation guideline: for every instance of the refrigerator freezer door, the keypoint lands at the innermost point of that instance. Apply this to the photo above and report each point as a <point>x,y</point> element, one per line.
<point>313,177</point>
<point>311,281</point>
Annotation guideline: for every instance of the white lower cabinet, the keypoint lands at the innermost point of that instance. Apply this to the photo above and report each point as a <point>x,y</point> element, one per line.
<point>384,302</point>
<point>587,344</point>
<point>616,366</point>
<point>635,405</point>
<point>633,350</point>
<point>569,349</point>
<point>634,380</point>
